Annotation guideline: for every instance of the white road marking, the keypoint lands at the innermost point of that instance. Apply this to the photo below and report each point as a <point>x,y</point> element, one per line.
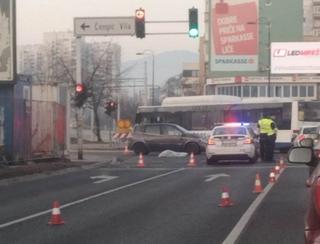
<point>242,223</point>
<point>103,178</point>
<point>216,176</point>
<point>2,226</point>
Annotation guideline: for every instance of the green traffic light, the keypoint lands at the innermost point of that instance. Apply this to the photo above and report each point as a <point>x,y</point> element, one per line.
<point>193,22</point>
<point>194,32</point>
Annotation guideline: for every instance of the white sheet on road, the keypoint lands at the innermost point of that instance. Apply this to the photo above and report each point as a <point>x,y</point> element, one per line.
<point>169,153</point>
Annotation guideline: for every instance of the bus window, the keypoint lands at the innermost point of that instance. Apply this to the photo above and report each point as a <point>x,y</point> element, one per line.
<point>309,111</point>
<point>199,120</point>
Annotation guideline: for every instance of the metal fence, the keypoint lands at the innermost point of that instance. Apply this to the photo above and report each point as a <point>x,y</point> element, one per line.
<point>38,129</point>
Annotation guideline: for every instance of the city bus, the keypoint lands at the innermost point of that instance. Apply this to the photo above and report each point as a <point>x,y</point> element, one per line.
<point>200,114</point>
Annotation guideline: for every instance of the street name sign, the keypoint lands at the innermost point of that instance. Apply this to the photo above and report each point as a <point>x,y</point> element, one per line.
<point>104,26</point>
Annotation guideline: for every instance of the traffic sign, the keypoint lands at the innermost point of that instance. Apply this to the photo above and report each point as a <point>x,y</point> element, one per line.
<point>104,26</point>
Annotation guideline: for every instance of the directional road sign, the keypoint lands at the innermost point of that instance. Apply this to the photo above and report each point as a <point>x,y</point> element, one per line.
<point>104,26</point>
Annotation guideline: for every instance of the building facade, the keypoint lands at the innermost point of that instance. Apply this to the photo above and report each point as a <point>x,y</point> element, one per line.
<point>236,47</point>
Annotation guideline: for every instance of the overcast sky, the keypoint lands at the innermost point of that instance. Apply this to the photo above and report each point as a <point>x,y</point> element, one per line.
<point>37,16</point>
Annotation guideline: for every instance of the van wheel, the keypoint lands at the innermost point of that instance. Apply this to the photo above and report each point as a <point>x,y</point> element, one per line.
<point>140,148</point>
<point>192,147</point>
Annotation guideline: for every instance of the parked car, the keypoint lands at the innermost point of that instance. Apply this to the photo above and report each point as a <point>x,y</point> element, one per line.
<point>232,141</point>
<point>164,136</point>
<point>306,131</point>
<point>306,155</point>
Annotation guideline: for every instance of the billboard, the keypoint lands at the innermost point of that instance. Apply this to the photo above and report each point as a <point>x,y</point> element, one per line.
<point>234,35</point>
<point>295,57</point>
<point>6,40</point>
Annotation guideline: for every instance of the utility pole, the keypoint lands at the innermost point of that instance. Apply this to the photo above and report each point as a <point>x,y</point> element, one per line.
<point>79,110</point>
<point>145,84</point>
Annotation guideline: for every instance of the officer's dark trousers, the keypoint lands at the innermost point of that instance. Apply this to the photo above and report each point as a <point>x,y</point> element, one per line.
<point>271,141</point>
<point>267,144</point>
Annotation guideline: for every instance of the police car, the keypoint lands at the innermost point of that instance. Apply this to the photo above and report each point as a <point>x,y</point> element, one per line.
<point>232,142</point>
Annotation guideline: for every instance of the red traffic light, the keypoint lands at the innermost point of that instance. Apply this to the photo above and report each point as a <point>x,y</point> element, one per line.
<point>140,13</point>
<point>79,88</point>
<point>140,23</point>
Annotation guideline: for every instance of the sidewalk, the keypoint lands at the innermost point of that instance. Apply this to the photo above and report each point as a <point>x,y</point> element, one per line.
<point>91,158</point>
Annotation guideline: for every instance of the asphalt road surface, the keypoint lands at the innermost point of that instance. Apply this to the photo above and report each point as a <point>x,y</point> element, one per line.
<point>163,202</point>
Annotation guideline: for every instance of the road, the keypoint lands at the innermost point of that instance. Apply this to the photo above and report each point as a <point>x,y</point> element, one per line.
<point>164,202</point>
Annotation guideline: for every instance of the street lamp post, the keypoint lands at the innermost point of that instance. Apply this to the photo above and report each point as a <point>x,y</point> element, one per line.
<point>268,26</point>
<point>150,52</point>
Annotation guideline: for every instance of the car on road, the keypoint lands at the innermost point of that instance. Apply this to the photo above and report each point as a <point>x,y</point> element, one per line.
<point>157,137</point>
<point>306,131</point>
<point>233,141</point>
<point>304,154</point>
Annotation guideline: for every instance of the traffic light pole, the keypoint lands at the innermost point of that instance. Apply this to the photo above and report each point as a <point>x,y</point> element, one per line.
<point>79,110</point>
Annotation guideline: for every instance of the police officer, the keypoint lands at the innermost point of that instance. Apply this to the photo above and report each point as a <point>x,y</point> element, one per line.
<point>268,135</point>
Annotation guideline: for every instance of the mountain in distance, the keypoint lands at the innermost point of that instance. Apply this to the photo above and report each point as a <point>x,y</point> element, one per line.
<point>167,64</point>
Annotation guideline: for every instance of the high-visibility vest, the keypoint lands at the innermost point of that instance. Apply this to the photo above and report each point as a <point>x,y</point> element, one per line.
<point>265,126</point>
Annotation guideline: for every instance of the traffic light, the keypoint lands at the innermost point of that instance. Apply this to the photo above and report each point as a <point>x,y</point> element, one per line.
<point>80,96</point>
<point>140,23</point>
<point>193,22</point>
<point>110,106</point>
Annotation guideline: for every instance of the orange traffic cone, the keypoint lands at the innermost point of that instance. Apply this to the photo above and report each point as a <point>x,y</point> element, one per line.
<point>277,169</point>
<point>225,199</point>
<point>272,176</point>
<point>257,185</point>
<point>282,163</point>
<point>126,151</point>
<point>141,161</point>
<point>56,216</point>
<point>192,160</point>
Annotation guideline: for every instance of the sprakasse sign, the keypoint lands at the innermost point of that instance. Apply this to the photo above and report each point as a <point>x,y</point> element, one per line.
<point>295,57</point>
<point>234,42</point>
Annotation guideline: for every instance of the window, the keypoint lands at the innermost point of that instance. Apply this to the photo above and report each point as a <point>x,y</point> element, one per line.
<point>224,92</point>
<point>303,91</point>
<point>310,91</point>
<point>271,90</point>
<point>254,91</point>
<point>309,111</point>
<point>153,129</point>
<point>239,91</point>
<point>230,131</point>
<point>170,131</point>
<point>219,90</point>
<point>278,91</point>
<point>262,91</point>
<point>294,91</point>
<point>286,91</point>
<point>234,92</point>
<point>246,91</point>
<point>187,73</point>
<point>199,120</point>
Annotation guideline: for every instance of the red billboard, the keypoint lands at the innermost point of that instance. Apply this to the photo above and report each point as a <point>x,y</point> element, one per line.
<point>234,35</point>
